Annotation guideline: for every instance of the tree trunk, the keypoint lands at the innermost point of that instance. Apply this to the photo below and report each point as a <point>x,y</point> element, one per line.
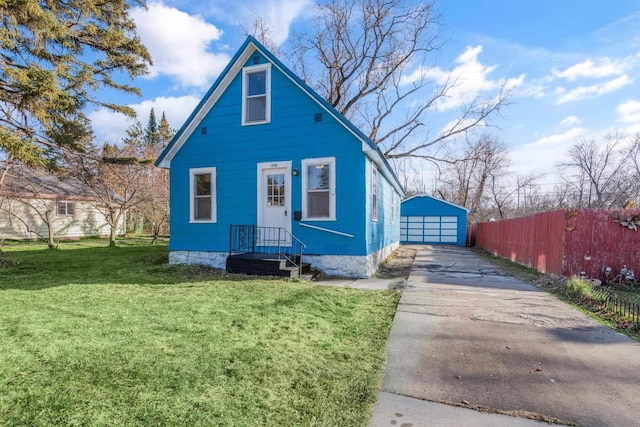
<point>112,235</point>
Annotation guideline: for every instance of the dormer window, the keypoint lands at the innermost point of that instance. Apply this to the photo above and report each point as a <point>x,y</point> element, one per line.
<point>256,94</point>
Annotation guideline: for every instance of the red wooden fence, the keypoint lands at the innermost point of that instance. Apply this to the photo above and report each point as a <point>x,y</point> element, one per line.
<point>564,242</point>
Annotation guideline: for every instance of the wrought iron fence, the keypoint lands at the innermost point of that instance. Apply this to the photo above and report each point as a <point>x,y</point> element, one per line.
<point>625,308</point>
<point>267,240</point>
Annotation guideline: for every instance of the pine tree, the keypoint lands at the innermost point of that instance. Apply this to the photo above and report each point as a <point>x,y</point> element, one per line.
<point>151,131</point>
<point>55,56</point>
<point>165,133</point>
<point>135,136</point>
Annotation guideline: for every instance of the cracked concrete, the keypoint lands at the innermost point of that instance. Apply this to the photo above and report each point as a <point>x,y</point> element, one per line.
<point>467,334</point>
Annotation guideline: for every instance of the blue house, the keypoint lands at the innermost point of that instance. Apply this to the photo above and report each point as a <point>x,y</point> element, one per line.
<point>427,219</point>
<point>265,169</point>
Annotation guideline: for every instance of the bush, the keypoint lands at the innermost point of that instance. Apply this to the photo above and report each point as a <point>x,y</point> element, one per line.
<point>578,289</point>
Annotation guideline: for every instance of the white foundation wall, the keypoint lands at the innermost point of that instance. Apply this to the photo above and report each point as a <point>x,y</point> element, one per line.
<point>211,259</point>
<point>331,265</point>
<point>349,265</point>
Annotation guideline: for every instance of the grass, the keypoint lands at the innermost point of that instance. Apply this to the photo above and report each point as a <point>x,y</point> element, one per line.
<point>92,335</point>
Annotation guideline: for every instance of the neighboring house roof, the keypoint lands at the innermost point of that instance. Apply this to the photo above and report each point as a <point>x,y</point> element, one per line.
<point>436,199</point>
<point>250,45</point>
<point>24,181</point>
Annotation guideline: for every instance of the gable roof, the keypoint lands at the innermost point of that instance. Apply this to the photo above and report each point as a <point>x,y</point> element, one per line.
<point>247,49</point>
<point>23,181</point>
<point>436,199</point>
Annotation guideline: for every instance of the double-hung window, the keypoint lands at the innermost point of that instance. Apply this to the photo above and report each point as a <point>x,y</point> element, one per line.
<point>66,208</point>
<point>318,185</point>
<point>202,183</point>
<point>256,94</point>
<point>374,192</point>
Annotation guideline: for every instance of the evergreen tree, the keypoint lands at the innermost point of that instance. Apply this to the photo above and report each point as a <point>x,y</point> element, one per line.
<point>55,55</point>
<point>151,131</point>
<point>165,133</point>
<point>135,136</point>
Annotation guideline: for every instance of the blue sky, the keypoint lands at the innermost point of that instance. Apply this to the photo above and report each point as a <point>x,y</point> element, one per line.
<point>575,65</point>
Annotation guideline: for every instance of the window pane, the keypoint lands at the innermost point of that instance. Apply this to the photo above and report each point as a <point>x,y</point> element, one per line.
<point>257,83</point>
<point>203,185</point>
<point>256,109</point>
<point>61,208</point>
<point>70,208</point>
<point>318,177</point>
<point>203,208</point>
<point>275,190</point>
<point>318,204</point>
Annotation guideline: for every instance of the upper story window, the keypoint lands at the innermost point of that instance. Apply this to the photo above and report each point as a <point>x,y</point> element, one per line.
<point>66,208</point>
<point>203,194</point>
<point>256,94</point>
<point>319,187</point>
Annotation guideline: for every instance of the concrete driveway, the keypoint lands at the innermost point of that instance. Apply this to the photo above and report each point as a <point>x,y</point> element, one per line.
<point>467,335</point>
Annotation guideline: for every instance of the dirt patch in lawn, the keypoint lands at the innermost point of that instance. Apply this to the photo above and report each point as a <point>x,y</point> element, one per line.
<point>398,264</point>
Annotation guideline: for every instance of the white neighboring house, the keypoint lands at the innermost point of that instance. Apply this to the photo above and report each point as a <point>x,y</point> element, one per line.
<point>35,202</point>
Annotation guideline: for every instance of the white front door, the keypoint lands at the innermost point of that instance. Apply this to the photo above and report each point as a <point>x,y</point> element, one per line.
<point>274,203</point>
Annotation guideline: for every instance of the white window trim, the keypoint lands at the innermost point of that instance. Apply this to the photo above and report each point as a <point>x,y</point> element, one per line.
<point>252,69</point>
<point>331,161</point>
<point>374,192</point>
<point>192,192</point>
<point>66,204</point>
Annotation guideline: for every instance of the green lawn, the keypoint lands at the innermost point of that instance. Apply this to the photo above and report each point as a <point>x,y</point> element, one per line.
<point>91,335</point>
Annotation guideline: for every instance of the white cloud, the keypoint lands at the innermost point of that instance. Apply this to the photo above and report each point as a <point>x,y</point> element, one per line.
<point>570,121</point>
<point>592,91</point>
<point>542,155</point>
<point>111,127</point>
<point>178,44</point>
<point>604,68</point>
<point>531,89</point>
<point>454,125</point>
<point>629,111</point>
<point>467,81</point>
<point>277,14</point>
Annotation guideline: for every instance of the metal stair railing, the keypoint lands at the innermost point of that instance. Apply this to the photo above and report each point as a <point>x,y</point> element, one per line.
<point>267,240</point>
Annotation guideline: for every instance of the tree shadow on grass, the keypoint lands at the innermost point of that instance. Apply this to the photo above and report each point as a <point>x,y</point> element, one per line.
<point>125,265</point>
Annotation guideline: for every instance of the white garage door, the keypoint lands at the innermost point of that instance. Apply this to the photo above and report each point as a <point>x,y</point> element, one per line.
<point>429,229</point>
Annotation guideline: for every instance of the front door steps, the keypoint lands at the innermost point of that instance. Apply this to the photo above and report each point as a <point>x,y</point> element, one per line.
<point>266,264</point>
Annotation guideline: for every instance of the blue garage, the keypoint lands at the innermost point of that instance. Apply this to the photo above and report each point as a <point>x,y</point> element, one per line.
<point>427,219</point>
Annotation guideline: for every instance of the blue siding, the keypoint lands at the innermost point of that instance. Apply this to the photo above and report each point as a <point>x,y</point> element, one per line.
<point>424,205</point>
<point>292,135</point>
<point>382,232</point>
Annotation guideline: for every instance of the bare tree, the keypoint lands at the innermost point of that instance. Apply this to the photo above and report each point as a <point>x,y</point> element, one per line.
<point>116,179</point>
<point>600,173</point>
<point>467,182</point>
<point>506,190</point>
<point>633,155</point>
<point>27,200</point>
<point>261,30</point>
<point>371,60</point>
<point>145,144</point>
<point>45,209</point>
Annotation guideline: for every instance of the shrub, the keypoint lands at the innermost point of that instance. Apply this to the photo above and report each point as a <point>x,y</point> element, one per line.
<point>578,289</point>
